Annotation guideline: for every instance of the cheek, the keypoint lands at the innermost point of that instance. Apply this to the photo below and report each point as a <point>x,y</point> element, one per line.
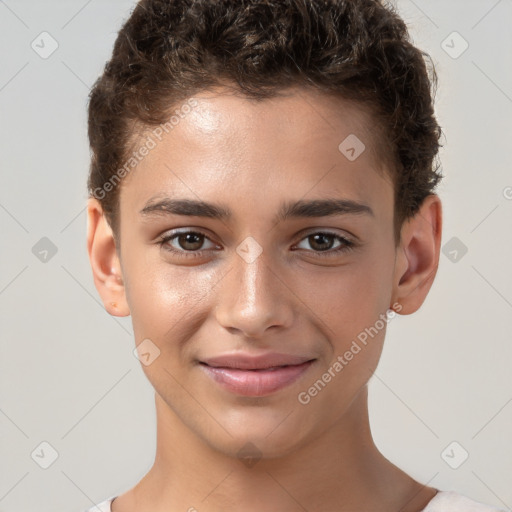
<point>163,298</point>
<point>353,297</point>
<point>168,306</point>
<point>354,308</point>
<point>355,304</point>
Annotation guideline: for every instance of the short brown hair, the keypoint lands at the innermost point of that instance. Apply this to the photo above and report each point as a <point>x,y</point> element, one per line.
<point>358,50</point>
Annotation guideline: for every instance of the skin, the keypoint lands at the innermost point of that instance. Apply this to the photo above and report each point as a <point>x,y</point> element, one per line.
<point>251,157</point>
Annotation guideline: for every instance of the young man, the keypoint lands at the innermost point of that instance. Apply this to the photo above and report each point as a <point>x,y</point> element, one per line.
<point>262,192</point>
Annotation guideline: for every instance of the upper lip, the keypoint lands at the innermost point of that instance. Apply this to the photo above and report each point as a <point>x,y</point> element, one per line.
<point>249,362</point>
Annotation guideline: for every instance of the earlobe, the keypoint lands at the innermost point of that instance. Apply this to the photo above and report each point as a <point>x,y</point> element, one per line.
<point>418,256</point>
<point>104,259</point>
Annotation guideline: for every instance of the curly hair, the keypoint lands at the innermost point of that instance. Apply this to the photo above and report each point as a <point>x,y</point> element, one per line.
<point>356,50</point>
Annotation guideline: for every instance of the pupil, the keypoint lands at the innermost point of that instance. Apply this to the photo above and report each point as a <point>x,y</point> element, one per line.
<point>190,238</point>
<point>320,241</point>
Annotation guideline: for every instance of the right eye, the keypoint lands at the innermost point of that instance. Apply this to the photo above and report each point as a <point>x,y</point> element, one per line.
<point>184,242</point>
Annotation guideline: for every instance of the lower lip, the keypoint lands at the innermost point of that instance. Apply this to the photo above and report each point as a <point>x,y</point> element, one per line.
<point>256,382</point>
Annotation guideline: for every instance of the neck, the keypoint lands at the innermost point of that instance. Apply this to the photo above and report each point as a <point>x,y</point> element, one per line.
<point>340,470</point>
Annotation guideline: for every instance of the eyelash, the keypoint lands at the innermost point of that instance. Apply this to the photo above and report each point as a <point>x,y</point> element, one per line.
<point>347,245</point>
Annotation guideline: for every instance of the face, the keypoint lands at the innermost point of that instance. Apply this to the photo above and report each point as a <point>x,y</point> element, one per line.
<point>284,246</point>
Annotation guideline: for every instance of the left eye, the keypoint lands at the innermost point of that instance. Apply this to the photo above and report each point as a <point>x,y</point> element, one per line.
<point>321,242</point>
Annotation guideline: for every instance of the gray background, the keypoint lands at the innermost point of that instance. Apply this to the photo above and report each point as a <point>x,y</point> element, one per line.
<point>68,376</point>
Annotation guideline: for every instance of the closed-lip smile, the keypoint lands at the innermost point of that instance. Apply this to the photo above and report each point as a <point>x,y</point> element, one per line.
<point>261,375</point>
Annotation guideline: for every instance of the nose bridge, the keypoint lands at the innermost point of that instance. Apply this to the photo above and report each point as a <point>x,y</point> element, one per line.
<point>252,298</point>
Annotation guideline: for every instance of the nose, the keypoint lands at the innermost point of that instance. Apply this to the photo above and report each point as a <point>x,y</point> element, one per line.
<point>253,298</point>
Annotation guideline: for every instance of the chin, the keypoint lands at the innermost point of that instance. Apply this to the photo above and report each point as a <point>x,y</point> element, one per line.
<point>251,450</point>
<point>259,440</point>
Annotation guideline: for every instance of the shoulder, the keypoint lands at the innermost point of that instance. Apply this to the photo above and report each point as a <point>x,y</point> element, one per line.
<point>104,506</point>
<point>449,501</point>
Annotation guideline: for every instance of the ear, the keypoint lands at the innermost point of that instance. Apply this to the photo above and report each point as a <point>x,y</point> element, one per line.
<point>417,256</point>
<point>105,263</point>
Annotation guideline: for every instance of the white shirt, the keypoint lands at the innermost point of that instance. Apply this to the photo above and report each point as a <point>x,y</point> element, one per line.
<point>449,501</point>
<point>443,501</point>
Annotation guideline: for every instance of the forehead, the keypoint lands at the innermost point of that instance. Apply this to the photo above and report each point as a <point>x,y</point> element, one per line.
<point>297,143</point>
<point>294,115</point>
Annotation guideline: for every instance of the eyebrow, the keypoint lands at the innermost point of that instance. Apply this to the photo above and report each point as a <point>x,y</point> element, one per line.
<point>297,209</point>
